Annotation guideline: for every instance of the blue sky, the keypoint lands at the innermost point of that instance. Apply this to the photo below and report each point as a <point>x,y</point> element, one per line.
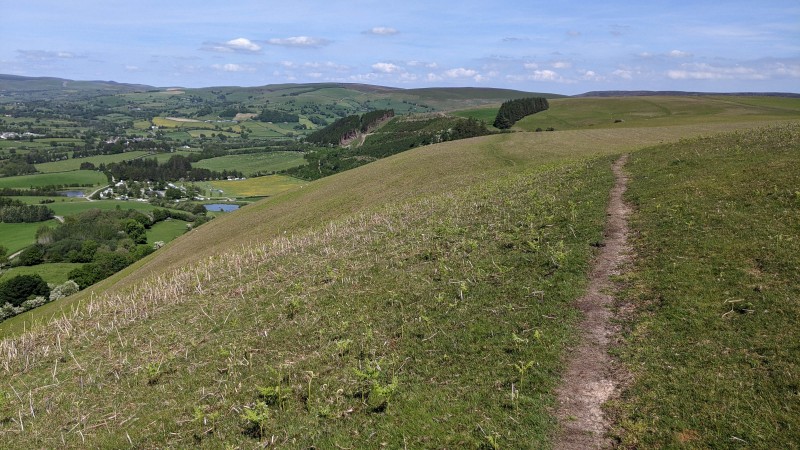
<point>564,47</point>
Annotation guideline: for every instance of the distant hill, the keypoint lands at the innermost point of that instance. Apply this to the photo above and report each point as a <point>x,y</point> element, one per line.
<point>37,88</point>
<point>20,83</point>
<point>683,93</point>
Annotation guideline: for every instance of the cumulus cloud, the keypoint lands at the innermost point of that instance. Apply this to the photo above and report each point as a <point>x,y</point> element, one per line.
<point>562,65</point>
<point>299,41</point>
<point>679,54</point>
<point>243,44</point>
<point>238,45</point>
<point>233,68</point>
<point>530,66</point>
<point>382,31</point>
<point>460,72</point>
<point>623,73</point>
<point>429,65</point>
<point>384,67</point>
<point>591,75</point>
<point>702,71</point>
<point>545,75</point>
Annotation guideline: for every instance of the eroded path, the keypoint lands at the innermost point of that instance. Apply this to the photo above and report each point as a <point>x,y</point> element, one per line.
<point>591,378</point>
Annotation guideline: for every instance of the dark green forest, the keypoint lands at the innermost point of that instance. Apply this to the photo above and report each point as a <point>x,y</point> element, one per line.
<point>513,110</point>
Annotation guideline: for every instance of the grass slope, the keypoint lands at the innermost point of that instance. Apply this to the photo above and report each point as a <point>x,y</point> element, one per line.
<point>576,113</point>
<point>451,337</point>
<point>713,345</point>
<point>423,171</point>
<point>423,300</point>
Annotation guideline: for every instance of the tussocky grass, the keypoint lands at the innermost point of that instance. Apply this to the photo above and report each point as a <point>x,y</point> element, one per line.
<point>713,343</point>
<point>435,322</point>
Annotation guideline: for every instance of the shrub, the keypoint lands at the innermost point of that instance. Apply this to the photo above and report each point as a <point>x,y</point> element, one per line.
<point>64,290</point>
<point>22,287</point>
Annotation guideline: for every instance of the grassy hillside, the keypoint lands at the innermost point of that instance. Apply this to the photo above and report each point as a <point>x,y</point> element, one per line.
<point>622,112</point>
<point>713,342</point>
<point>418,172</point>
<point>450,337</point>
<point>423,300</point>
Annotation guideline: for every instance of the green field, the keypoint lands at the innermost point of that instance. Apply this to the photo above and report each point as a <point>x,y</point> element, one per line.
<point>74,178</point>
<point>487,115</point>
<point>254,163</point>
<point>16,236</point>
<point>55,273</point>
<point>166,231</point>
<point>265,186</point>
<point>70,208</point>
<point>75,163</point>
<point>163,122</point>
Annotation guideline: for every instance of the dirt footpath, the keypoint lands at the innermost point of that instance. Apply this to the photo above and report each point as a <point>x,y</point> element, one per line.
<point>591,378</point>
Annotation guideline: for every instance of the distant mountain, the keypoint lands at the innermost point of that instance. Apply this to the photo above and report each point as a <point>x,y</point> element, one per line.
<point>683,93</point>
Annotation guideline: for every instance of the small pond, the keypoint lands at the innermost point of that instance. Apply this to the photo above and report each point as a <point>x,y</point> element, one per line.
<point>73,193</point>
<point>221,207</point>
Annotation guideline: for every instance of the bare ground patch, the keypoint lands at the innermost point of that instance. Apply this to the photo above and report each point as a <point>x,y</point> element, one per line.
<point>591,377</point>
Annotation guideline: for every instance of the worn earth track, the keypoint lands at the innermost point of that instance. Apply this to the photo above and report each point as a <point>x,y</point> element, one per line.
<point>591,377</point>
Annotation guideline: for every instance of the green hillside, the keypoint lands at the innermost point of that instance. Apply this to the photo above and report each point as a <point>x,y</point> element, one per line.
<point>425,301</point>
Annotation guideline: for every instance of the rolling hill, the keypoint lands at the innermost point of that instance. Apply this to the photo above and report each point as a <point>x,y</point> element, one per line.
<point>426,300</point>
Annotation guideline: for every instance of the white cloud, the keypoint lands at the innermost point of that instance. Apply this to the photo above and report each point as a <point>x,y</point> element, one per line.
<point>545,75</point>
<point>382,31</point>
<point>243,44</point>
<point>623,73</point>
<point>432,77</point>
<point>429,65</point>
<point>384,67</point>
<point>460,72</point>
<point>679,54</point>
<point>562,65</point>
<point>233,68</point>
<point>702,71</point>
<point>132,68</point>
<point>299,41</point>
<point>530,66</point>
<point>591,75</point>
<point>238,45</point>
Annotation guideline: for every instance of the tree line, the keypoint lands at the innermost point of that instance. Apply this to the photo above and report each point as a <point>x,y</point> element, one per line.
<point>513,110</point>
<point>15,211</point>
<point>271,115</point>
<point>176,168</point>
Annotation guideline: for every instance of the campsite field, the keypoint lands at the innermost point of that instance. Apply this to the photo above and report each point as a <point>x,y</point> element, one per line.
<point>250,164</point>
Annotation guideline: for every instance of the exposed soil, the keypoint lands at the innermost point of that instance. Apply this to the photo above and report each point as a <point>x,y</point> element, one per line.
<point>591,377</point>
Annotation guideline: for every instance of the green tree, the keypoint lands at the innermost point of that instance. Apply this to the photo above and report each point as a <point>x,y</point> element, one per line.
<point>23,287</point>
<point>32,255</point>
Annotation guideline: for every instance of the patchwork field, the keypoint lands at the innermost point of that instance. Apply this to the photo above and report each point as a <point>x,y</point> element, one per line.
<point>75,164</point>
<point>265,186</point>
<point>250,164</point>
<point>77,178</point>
